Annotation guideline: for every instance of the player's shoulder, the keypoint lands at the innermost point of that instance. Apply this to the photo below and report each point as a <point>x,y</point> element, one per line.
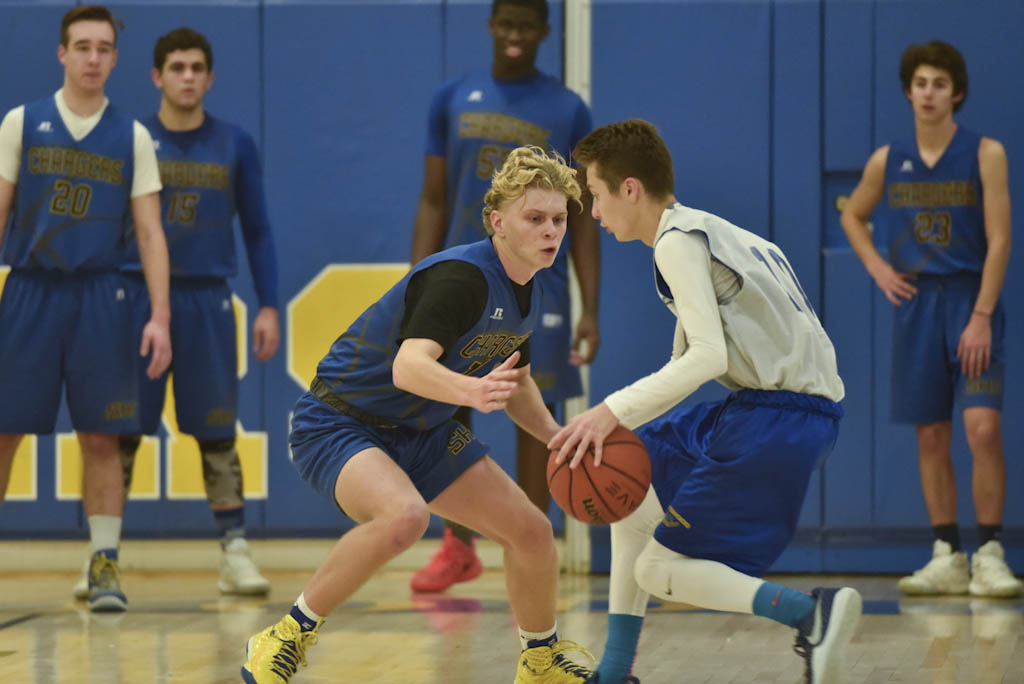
<point>990,148</point>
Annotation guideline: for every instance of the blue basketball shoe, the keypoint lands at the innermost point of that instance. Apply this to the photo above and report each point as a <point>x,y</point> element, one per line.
<point>822,637</point>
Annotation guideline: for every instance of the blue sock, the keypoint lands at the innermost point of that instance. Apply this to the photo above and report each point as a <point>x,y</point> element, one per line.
<point>782,604</point>
<point>109,553</point>
<point>231,523</point>
<point>306,623</point>
<point>620,647</point>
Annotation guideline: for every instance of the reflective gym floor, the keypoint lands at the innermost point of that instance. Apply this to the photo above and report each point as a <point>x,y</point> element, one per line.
<point>179,629</point>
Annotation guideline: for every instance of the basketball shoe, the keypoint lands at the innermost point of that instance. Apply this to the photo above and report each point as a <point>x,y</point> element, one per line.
<point>990,576</point>
<point>238,572</point>
<point>945,573</point>
<point>81,588</point>
<point>454,562</point>
<point>549,665</point>
<point>105,594</point>
<point>822,638</point>
<point>275,654</point>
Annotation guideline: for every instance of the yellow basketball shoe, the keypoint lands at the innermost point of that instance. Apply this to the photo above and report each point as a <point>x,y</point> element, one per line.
<point>550,665</point>
<point>276,653</point>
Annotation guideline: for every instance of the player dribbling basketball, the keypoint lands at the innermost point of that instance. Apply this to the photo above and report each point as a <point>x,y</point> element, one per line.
<point>729,477</point>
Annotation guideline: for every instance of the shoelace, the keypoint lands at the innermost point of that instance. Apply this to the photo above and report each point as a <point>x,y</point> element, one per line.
<point>292,654</point>
<point>567,665</point>
<point>103,572</point>
<point>802,647</point>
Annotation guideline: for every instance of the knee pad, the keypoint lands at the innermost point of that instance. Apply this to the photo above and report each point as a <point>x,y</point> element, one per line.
<point>127,447</point>
<point>222,471</point>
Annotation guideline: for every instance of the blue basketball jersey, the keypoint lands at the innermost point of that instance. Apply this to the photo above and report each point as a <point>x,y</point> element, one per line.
<point>72,202</point>
<point>934,217</point>
<point>475,121</point>
<point>357,369</point>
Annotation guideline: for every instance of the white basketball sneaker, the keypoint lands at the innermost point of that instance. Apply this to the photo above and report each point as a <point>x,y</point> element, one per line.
<point>238,572</point>
<point>946,573</point>
<point>990,575</point>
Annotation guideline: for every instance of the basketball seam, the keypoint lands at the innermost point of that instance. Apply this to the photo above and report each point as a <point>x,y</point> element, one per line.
<point>623,473</point>
<point>597,493</point>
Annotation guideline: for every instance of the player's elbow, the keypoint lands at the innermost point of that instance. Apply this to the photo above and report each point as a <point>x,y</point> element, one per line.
<point>716,359</point>
<point>401,372</point>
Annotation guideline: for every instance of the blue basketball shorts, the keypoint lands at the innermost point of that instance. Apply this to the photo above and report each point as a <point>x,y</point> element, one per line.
<point>323,440</point>
<point>204,370</point>
<point>70,329</point>
<point>927,382</point>
<point>551,341</point>
<point>732,474</point>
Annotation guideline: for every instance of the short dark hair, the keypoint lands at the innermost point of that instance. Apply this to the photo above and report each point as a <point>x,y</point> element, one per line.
<point>88,13</point>
<point>182,38</point>
<point>941,56</point>
<point>540,6</point>
<point>629,149</point>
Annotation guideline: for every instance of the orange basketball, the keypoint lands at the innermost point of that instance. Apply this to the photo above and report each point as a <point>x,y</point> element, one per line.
<point>608,492</point>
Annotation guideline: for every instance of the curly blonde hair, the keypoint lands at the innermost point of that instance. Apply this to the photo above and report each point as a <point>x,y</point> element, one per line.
<point>528,167</point>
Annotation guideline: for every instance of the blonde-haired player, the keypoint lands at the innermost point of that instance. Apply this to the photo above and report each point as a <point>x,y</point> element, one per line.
<point>375,433</point>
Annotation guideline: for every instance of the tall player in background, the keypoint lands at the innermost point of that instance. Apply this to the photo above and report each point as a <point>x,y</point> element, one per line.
<point>473,123</point>
<point>211,172</point>
<point>74,174</point>
<point>947,220</point>
<point>729,477</point>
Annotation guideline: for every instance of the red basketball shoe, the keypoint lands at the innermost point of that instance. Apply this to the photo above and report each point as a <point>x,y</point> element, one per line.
<point>454,562</point>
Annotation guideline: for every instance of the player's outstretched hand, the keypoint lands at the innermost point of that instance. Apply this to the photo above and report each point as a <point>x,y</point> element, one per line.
<point>494,389</point>
<point>588,428</point>
<point>893,284</point>
<point>266,333</point>
<point>156,338</point>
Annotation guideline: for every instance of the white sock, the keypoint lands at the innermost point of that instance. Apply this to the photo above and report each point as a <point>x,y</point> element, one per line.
<point>306,610</point>
<point>526,637</point>
<point>104,532</point>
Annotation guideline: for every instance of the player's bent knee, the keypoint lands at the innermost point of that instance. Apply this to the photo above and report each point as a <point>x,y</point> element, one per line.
<point>530,530</point>
<point>652,568</point>
<point>406,525</point>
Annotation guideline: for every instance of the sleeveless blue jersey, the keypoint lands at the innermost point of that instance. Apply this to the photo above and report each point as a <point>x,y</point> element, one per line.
<point>357,369</point>
<point>934,218</point>
<point>475,121</point>
<point>72,202</point>
<point>197,171</point>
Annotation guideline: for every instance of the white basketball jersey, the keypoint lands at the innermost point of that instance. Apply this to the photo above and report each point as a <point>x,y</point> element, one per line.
<point>773,338</point>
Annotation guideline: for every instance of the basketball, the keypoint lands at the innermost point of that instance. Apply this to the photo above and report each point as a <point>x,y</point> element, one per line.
<point>606,493</point>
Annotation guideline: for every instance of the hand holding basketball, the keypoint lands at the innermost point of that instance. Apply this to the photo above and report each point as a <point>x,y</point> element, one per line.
<point>588,428</point>
<point>599,495</point>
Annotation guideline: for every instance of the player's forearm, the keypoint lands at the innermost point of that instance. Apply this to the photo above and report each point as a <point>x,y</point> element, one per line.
<point>993,273</point>
<point>420,374</point>
<point>428,230</point>
<point>653,395</point>
<point>157,271</point>
<point>586,258</point>
<point>859,235</point>
<point>526,408</point>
